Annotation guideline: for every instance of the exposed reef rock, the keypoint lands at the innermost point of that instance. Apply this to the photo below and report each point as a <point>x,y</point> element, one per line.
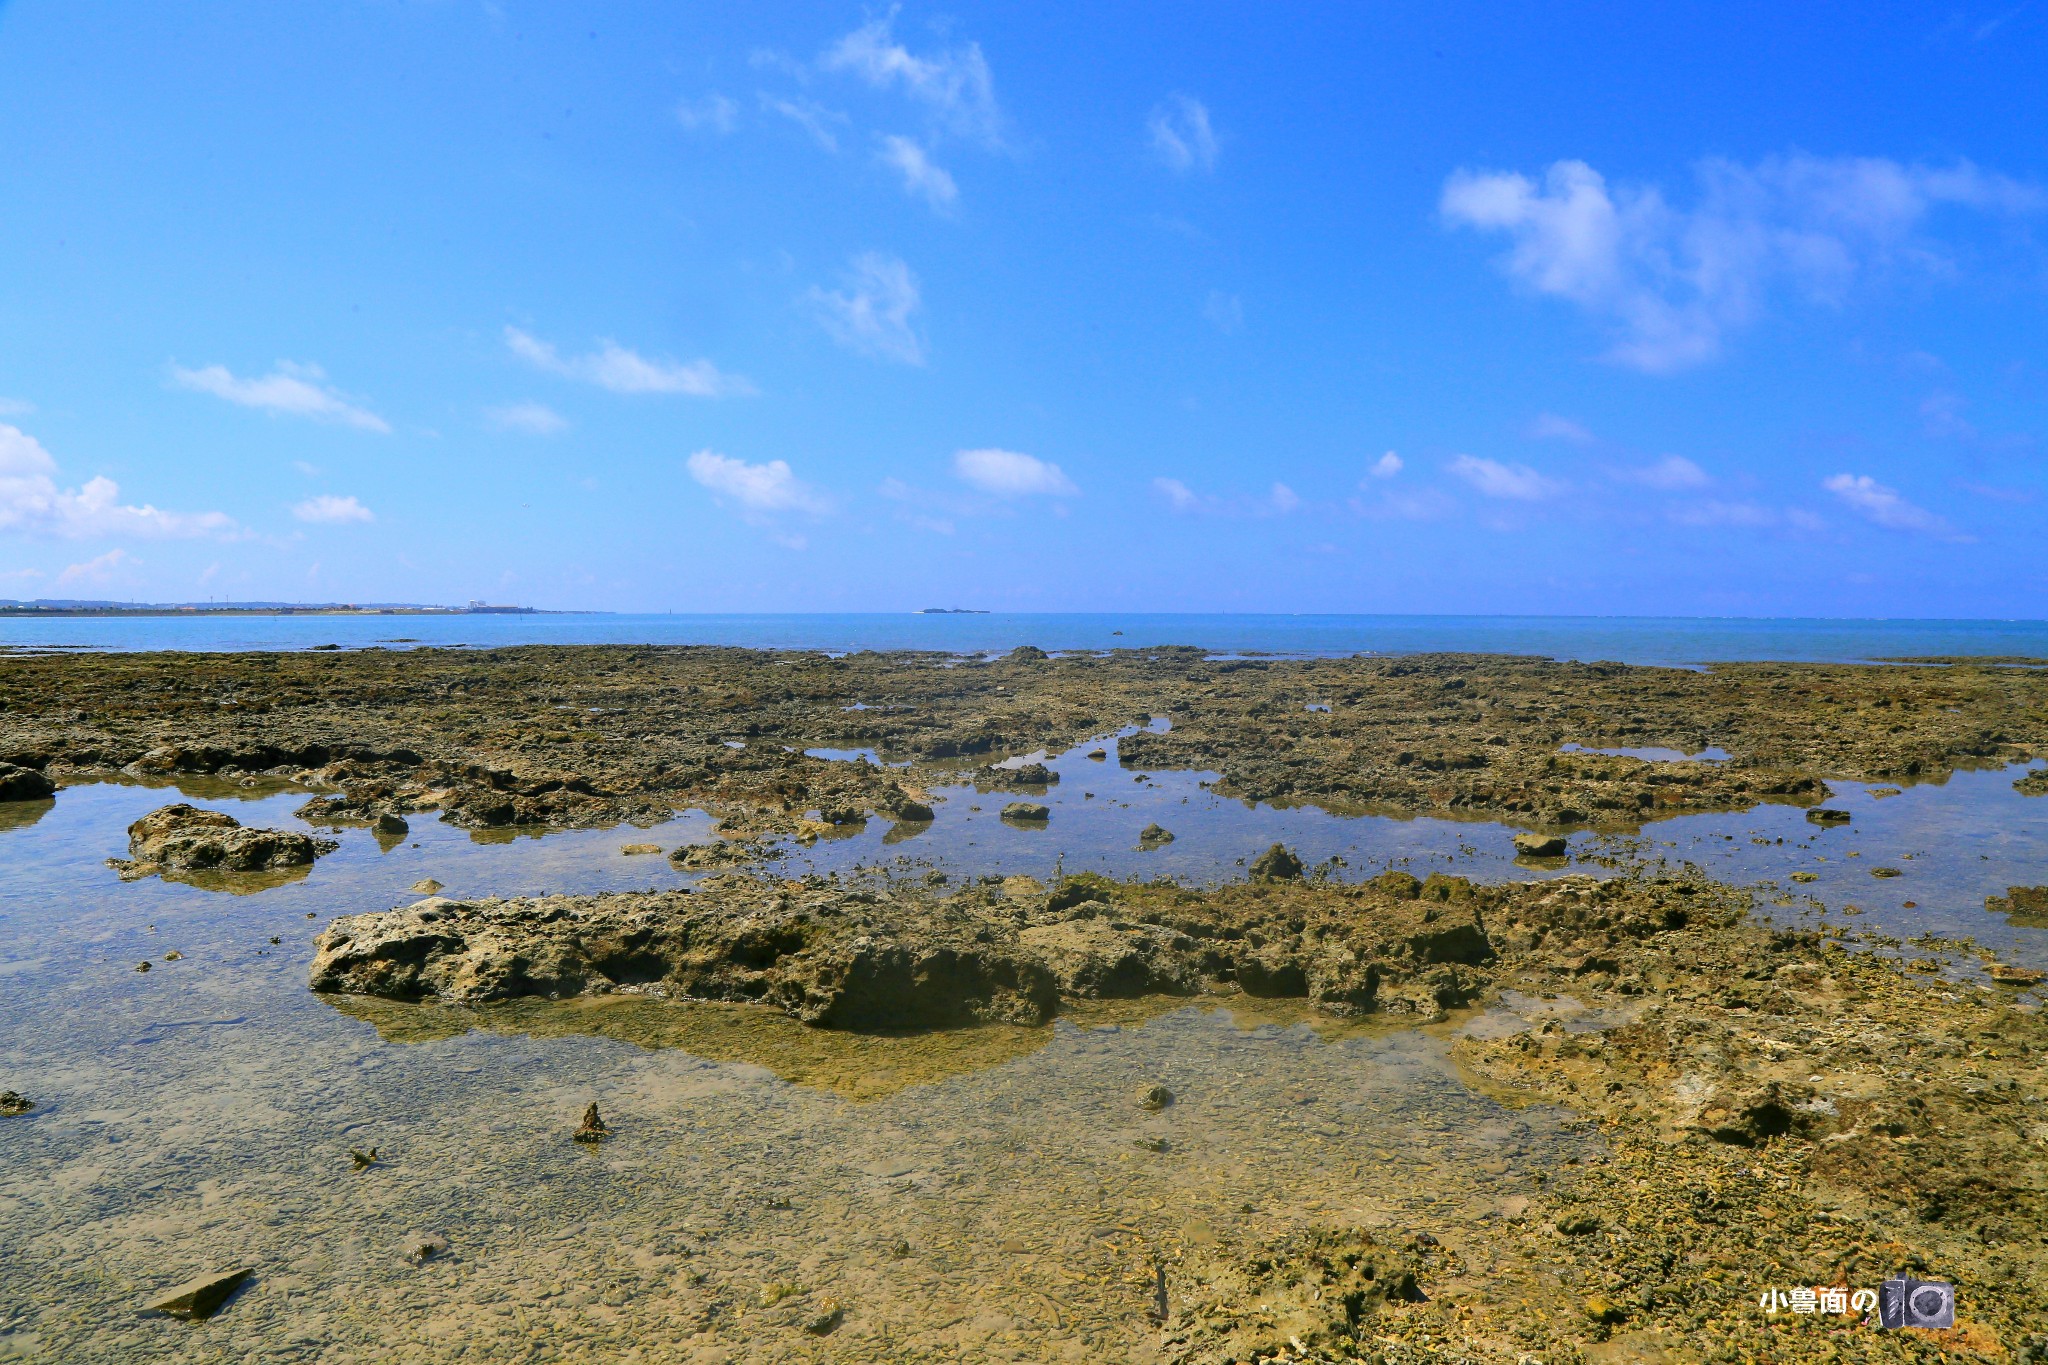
<point>593,735</point>
<point>889,955</point>
<point>186,838</point>
<point>24,784</point>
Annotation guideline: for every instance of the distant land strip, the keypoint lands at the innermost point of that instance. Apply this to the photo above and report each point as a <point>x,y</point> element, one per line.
<point>72,608</point>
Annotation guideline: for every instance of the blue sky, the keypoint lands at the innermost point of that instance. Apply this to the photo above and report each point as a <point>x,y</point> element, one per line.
<point>1728,309</point>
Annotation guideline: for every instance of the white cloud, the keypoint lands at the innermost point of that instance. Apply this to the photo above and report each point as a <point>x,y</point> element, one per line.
<point>98,571</point>
<point>1178,495</point>
<point>330,510</point>
<point>1496,480</point>
<point>1673,474</point>
<point>714,113</point>
<point>955,87</point>
<point>292,389</point>
<point>307,468</point>
<point>1008,474</point>
<point>872,314</point>
<point>809,115</point>
<point>1387,466</point>
<point>1548,426</point>
<point>534,419</point>
<point>1670,283</point>
<point>1224,311</point>
<point>1883,506</point>
<point>757,488</point>
<point>1283,499</point>
<point>31,503</point>
<point>1181,135</point>
<point>614,367</point>
<point>922,177</point>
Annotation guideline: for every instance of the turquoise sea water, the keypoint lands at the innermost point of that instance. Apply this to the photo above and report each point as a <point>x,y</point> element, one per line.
<point>1638,639</point>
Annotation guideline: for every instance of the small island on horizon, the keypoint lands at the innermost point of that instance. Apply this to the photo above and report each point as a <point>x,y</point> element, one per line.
<point>952,611</point>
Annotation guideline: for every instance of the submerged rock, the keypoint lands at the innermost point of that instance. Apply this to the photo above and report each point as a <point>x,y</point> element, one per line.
<point>185,838</point>
<point>1827,815</point>
<point>199,1299</point>
<point>24,784</point>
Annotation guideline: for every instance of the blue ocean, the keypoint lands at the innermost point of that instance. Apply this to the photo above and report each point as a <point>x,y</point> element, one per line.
<point>1664,640</point>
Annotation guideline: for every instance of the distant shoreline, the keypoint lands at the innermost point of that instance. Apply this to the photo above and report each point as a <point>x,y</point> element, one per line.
<point>38,613</point>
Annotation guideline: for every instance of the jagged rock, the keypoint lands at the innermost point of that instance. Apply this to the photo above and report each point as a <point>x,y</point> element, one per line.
<point>1828,815</point>
<point>1152,836</point>
<point>426,886</point>
<point>13,1104</point>
<point>199,1299</point>
<point>1278,863</point>
<point>390,826</point>
<point>1154,1097</point>
<point>185,838</point>
<point>1024,775</point>
<point>1027,812</point>
<point>24,784</point>
<point>593,1127</point>
<point>1540,845</point>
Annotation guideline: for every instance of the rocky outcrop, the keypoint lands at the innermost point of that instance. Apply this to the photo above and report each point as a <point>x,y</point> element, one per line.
<point>186,838</point>
<point>24,784</point>
<point>899,955</point>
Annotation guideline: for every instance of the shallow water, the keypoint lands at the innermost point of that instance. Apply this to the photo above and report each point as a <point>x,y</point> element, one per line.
<point>200,1115</point>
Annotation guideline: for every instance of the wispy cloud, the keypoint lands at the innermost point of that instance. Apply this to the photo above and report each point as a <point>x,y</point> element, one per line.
<point>1672,474</point>
<point>1181,135</point>
<point>16,407</point>
<point>32,503</point>
<point>1670,283</point>
<point>713,113</point>
<point>812,117</point>
<point>328,509</point>
<point>292,389</point>
<point>1178,495</point>
<point>614,367</point>
<point>757,488</point>
<point>532,419</point>
<point>99,570</point>
<point>872,314</point>
<point>1548,426</point>
<point>1224,311</point>
<point>954,86</point>
<point>1010,474</point>
<point>923,178</point>
<point>1279,500</point>
<point>1387,466</point>
<point>1886,507</point>
<point>1514,482</point>
<point>1737,514</point>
